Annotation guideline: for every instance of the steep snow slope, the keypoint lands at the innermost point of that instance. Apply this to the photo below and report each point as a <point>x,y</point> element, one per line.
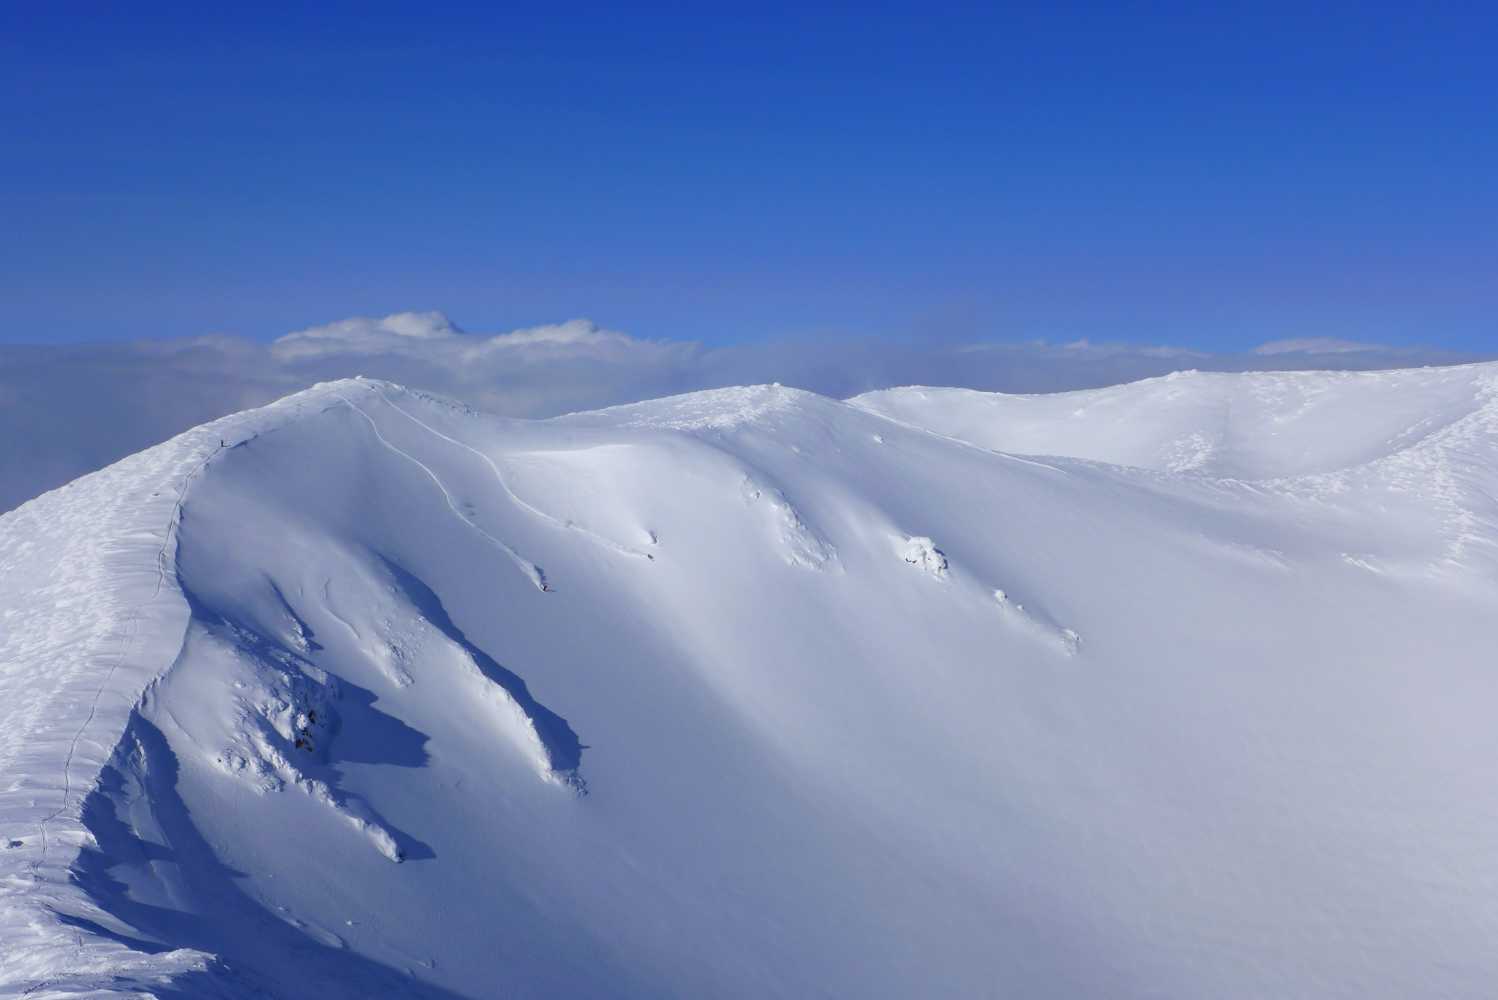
<point>752,692</point>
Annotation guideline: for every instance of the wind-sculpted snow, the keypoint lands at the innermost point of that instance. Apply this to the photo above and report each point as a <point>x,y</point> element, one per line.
<point>1175,689</point>
<point>1261,425</point>
<point>545,733</point>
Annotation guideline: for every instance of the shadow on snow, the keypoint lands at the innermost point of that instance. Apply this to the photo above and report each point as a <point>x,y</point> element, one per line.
<point>257,953</point>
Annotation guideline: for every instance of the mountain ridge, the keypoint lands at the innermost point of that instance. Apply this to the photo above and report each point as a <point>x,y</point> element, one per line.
<point>370,589</point>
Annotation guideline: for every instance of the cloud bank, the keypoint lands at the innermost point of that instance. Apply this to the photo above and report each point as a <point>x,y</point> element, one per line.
<point>1314,345</point>
<point>65,411</point>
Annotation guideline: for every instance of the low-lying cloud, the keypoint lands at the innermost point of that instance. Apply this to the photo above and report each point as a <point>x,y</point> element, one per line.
<point>1315,345</point>
<point>65,411</point>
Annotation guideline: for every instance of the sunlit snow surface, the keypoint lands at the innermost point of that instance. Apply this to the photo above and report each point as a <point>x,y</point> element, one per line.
<point>1185,688</point>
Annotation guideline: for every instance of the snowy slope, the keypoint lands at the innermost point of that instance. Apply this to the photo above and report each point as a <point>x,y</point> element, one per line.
<point>1257,425</point>
<point>752,692</point>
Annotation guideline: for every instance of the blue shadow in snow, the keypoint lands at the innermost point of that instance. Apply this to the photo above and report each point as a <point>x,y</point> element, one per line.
<point>356,732</point>
<point>256,952</point>
<point>564,751</point>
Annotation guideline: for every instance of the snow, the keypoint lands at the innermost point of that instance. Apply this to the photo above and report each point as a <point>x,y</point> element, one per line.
<point>921,551</point>
<point>1172,689</point>
<point>1245,426</point>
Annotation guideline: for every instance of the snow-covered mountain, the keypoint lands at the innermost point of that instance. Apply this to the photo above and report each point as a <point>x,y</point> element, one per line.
<point>1184,688</point>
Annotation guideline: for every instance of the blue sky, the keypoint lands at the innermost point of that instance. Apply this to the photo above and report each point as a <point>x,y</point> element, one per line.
<point>1211,178</point>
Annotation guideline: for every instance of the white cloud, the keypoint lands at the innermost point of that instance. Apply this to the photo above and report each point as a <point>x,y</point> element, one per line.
<point>1314,345</point>
<point>578,338</point>
<point>1086,348</point>
<point>433,338</point>
<point>365,335</point>
<point>65,411</point>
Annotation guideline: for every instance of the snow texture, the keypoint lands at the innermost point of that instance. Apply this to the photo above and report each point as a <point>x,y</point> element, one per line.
<point>1174,689</point>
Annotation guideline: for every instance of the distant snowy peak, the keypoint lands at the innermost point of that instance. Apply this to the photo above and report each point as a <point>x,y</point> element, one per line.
<point>1250,426</point>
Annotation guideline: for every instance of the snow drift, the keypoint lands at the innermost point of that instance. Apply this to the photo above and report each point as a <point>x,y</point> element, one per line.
<point>1182,688</point>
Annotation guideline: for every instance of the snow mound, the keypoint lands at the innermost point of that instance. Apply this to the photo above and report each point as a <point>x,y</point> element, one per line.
<point>921,552</point>
<point>368,694</point>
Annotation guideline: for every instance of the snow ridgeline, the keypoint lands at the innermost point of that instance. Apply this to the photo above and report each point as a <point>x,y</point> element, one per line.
<point>863,703</point>
<point>94,589</point>
<point>89,591</point>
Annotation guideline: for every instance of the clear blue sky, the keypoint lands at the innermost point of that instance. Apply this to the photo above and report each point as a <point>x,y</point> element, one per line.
<point>1207,176</point>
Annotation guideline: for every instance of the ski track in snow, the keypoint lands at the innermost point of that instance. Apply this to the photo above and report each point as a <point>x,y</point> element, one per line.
<point>963,443</point>
<point>533,572</point>
<point>123,633</point>
<point>1257,619</point>
<point>132,626</point>
<point>514,498</point>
